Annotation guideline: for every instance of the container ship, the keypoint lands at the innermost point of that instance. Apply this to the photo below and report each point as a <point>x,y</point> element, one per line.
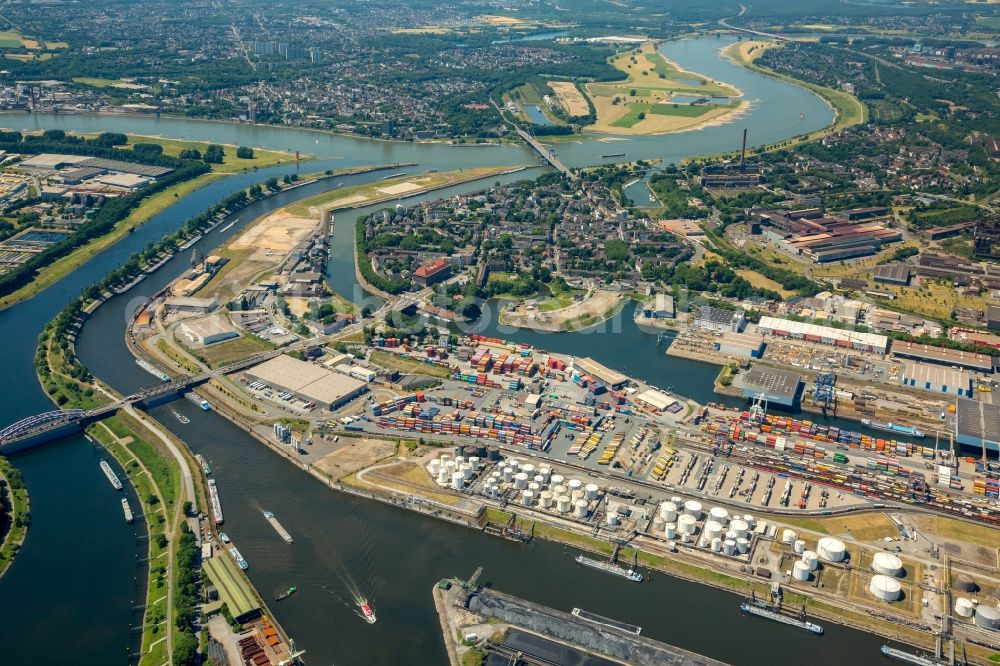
<point>910,658</point>
<point>127,510</point>
<point>769,614</point>
<point>282,532</point>
<point>239,558</point>
<point>909,431</point>
<point>151,369</point>
<point>110,473</point>
<point>213,494</point>
<point>204,463</point>
<point>607,567</point>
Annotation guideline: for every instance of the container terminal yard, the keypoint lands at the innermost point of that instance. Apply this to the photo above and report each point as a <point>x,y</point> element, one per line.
<point>526,444</point>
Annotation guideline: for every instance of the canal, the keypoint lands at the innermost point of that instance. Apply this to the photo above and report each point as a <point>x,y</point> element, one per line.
<point>77,576</point>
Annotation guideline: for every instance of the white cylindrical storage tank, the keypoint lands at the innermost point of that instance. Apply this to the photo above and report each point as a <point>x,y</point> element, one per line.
<point>574,484</point>
<point>887,564</point>
<point>434,467</point>
<point>719,515</point>
<point>611,518</point>
<point>789,536</point>
<point>677,501</point>
<point>740,527</point>
<point>508,474</point>
<point>545,499</point>
<point>520,480</point>
<point>986,617</point>
<point>540,480</point>
<point>560,489</point>
<point>457,481</point>
<point>577,494</point>
<point>703,542</point>
<point>885,588</point>
<point>692,508</point>
<point>668,511</point>
<point>811,559</point>
<point>670,531</point>
<point>534,487</point>
<point>799,546</point>
<point>466,470</point>
<point>831,550</point>
<point>514,464</point>
<point>474,463</point>
<point>459,460</point>
<point>712,529</point>
<point>716,545</point>
<point>443,476</point>
<point>590,491</point>
<point>730,535</point>
<point>800,571</point>
<point>686,524</point>
<point>685,538</point>
<point>528,497</point>
<point>749,520</point>
<point>964,607</point>
<point>743,545</point>
<point>556,479</point>
<point>528,469</point>
<point>545,473</point>
<point>564,504</point>
<point>580,508</point>
<point>729,547</point>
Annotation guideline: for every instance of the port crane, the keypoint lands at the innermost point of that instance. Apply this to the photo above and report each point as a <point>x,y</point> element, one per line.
<point>293,657</point>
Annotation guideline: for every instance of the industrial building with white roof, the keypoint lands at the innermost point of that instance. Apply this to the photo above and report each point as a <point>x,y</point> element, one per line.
<point>870,342</point>
<point>306,381</point>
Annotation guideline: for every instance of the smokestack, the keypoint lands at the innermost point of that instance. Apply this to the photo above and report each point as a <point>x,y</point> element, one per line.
<point>743,150</point>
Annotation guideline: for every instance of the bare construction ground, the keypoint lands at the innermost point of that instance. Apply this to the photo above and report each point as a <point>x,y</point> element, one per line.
<point>354,455</point>
<point>570,97</point>
<point>597,306</point>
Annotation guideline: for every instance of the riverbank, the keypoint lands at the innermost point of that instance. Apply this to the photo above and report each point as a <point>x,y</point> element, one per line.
<point>16,516</point>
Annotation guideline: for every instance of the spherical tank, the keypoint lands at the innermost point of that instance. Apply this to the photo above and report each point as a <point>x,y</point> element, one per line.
<point>789,536</point>
<point>987,617</point>
<point>692,508</point>
<point>564,504</point>
<point>885,588</point>
<point>964,607</point>
<point>887,564</point>
<point>831,550</point>
<point>800,571</point>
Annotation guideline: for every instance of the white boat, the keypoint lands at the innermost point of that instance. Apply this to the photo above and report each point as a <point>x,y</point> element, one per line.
<point>110,473</point>
<point>769,614</point>
<point>228,226</point>
<point>239,558</point>
<point>910,658</point>
<point>152,369</point>
<point>127,510</point>
<point>213,495</point>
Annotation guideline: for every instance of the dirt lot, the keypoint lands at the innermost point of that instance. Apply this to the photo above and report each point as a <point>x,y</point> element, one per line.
<point>580,314</point>
<point>355,454</point>
<point>277,233</point>
<point>570,97</point>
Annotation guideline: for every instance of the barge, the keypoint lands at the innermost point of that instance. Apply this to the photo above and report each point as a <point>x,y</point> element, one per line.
<point>239,558</point>
<point>607,567</point>
<point>213,494</point>
<point>110,473</point>
<point>127,510</point>
<point>910,658</point>
<point>282,532</point>
<point>151,369</point>
<point>770,614</point>
<point>909,431</point>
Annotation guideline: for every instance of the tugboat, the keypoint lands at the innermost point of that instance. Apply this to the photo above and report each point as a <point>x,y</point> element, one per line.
<point>287,593</point>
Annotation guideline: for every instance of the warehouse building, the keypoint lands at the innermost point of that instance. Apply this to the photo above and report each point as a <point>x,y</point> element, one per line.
<point>779,387</point>
<point>977,425</point>
<point>208,331</point>
<point>944,356</point>
<point>827,335</point>
<point>740,345</point>
<point>898,274</point>
<point>190,304</point>
<point>663,307</point>
<point>720,319</point>
<point>611,378</point>
<point>656,400</point>
<point>307,382</point>
<point>951,381</point>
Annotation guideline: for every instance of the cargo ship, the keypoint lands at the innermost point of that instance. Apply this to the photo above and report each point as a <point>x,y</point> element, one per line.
<point>287,593</point>
<point>607,567</point>
<point>213,494</point>
<point>110,473</point>
<point>151,369</point>
<point>204,463</point>
<point>910,658</point>
<point>910,431</point>
<point>239,558</point>
<point>127,510</point>
<point>282,532</point>
<point>769,614</point>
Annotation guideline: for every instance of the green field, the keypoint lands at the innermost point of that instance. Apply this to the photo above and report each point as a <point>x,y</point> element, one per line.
<point>686,110</point>
<point>387,360</point>
<point>632,117</point>
<point>224,353</point>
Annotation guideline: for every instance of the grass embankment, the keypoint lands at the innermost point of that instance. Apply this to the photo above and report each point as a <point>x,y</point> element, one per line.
<point>15,513</point>
<point>408,365</point>
<point>261,159</point>
<point>224,353</point>
<point>387,190</point>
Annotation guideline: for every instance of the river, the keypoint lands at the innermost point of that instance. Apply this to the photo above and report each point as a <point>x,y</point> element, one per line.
<point>72,579</point>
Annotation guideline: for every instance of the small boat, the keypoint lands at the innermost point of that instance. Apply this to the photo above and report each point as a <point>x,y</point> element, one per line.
<point>368,612</point>
<point>239,558</point>
<point>287,593</point>
<point>127,510</point>
<point>204,404</point>
<point>228,226</point>
<point>110,473</point>
<point>224,537</point>
<point>183,419</point>
<point>204,463</point>
<point>613,155</point>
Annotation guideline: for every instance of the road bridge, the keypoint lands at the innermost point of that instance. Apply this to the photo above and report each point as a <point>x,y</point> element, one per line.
<point>547,154</point>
